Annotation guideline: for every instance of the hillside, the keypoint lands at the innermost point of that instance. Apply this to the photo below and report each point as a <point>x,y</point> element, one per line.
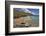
<point>21,14</point>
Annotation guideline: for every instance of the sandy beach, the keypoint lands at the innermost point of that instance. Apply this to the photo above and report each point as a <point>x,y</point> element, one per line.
<point>23,22</point>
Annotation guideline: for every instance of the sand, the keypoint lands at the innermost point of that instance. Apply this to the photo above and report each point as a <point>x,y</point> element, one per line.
<point>23,22</point>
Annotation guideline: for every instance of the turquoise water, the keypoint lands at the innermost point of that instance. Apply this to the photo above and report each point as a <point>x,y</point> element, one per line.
<point>35,20</point>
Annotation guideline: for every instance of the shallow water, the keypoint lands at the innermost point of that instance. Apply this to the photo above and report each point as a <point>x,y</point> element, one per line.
<point>35,20</point>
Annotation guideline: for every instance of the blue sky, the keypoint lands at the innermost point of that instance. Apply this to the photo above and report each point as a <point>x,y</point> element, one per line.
<point>28,10</point>
<point>34,11</point>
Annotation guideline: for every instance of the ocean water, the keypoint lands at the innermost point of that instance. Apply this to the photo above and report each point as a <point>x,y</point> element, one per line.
<point>35,20</point>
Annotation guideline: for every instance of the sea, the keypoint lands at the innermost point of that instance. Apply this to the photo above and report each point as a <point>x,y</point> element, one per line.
<point>35,20</point>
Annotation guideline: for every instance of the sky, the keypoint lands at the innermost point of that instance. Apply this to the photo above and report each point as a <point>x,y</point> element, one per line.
<point>34,11</point>
<point>28,10</point>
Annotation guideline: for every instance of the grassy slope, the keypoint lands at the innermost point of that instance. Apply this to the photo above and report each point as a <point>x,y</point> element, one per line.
<point>20,14</point>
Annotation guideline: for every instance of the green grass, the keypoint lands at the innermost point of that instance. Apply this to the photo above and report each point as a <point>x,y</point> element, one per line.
<point>20,14</point>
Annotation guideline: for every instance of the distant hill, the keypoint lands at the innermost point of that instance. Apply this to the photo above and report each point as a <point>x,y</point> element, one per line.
<point>21,14</point>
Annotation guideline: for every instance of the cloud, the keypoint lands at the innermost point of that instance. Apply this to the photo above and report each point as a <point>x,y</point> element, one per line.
<point>26,10</point>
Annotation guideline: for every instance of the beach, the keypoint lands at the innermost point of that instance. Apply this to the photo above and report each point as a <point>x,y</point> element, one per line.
<point>28,21</point>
